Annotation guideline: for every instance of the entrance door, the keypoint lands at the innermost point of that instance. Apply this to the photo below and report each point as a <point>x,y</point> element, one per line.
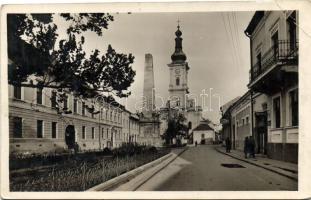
<point>70,136</point>
<point>262,132</point>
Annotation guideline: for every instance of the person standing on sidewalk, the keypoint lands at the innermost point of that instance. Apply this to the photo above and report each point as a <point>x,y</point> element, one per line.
<point>228,145</point>
<point>246,147</point>
<point>252,146</point>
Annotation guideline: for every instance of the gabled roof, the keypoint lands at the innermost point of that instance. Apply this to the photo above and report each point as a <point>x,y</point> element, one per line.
<point>203,127</point>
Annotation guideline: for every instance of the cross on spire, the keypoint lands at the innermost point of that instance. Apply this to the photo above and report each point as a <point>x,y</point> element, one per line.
<point>178,23</point>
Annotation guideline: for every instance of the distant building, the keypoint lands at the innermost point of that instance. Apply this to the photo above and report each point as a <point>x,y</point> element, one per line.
<point>236,120</point>
<point>204,134</point>
<point>274,83</point>
<point>226,120</point>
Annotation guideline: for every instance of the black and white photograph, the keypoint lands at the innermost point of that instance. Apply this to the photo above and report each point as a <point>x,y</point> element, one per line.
<point>153,101</point>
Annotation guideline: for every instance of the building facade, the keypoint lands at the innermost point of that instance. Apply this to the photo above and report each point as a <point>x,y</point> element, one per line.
<point>241,121</point>
<point>274,82</point>
<point>40,123</point>
<point>236,120</point>
<point>204,134</point>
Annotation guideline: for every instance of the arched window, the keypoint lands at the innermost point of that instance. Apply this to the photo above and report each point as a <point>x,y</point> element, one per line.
<point>177,81</point>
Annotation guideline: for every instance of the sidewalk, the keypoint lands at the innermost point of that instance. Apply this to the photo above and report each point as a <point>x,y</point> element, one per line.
<point>287,169</point>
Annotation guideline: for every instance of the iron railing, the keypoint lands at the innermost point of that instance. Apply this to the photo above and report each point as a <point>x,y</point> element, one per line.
<point>283,52</point>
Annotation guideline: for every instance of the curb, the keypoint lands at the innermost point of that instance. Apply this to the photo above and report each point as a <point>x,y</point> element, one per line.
<point>147,178</point>
<point>128,175</point>
<point>252,163</point>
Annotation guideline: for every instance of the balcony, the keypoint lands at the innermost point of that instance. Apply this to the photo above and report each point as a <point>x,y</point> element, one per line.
<point>268,72</point>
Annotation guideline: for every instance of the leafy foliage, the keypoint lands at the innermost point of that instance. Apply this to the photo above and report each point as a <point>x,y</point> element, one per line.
<point>175,127</point>
<point>36,50</point>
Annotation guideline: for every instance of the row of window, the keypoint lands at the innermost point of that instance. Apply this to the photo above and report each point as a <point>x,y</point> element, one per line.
<point>18,128</point>
<point>244,121</point>
<point>39,100</point>
<point>293,109</point>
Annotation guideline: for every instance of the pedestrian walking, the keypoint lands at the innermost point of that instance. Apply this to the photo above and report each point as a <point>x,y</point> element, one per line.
<point>252,146</point>
<point>228,145</point>
<point>196,143</point>
<point>246,147</point>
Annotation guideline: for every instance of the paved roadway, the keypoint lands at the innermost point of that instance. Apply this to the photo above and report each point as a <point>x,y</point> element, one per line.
<point>200,169</point>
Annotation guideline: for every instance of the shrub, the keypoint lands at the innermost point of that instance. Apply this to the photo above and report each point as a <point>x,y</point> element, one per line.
<point>81,175</point>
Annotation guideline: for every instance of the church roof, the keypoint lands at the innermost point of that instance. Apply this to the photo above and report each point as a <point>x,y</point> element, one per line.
<point>178,56</point>
<point>203,127</point>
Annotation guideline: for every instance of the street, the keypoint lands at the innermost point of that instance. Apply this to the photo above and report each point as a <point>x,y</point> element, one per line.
<point>200,169</point>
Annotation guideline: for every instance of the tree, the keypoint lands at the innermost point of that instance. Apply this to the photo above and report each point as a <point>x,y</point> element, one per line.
<point>36,50</point>
<point>175,128</point>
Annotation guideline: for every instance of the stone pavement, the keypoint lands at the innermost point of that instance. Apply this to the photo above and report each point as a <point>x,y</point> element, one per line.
<point>287,169</point>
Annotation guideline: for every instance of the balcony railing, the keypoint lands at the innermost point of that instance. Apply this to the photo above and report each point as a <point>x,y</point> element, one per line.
<point>283,52</point>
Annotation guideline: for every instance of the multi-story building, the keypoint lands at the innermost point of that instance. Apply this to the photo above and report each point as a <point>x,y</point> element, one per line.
<point>39,123</point>
<point>274,82</point>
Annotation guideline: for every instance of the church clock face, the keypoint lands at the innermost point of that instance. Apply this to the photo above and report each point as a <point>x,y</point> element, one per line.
<point>177,71</point>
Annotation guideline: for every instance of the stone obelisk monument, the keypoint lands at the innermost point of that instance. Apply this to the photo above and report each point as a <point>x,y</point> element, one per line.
<point>148,93</point>
<point>149,121</point>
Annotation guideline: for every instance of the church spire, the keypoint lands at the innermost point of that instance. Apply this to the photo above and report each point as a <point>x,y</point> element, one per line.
<point>178,56</point>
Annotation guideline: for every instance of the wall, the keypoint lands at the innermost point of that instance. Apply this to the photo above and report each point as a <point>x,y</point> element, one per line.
<point>209,136</point>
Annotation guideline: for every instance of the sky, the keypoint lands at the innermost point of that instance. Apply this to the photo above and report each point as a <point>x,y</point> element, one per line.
<point>216,47</point>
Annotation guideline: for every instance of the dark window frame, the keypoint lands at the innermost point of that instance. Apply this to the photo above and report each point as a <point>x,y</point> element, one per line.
<point>53,99</point>
<point>75,105</point>
<point>17,127</point>
<point>40,127</point>
<point>17,92</point>
<point>93,133</point>
<point>54,130</point>
<point>39,97</point>
<point>177,81</point>
<point>83,132</point>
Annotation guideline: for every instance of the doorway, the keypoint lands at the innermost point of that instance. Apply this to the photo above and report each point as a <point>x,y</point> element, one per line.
<point>261,132</point>
<point>70,136</point>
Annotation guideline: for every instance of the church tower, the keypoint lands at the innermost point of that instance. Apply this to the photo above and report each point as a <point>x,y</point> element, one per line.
<point>178,87</point>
